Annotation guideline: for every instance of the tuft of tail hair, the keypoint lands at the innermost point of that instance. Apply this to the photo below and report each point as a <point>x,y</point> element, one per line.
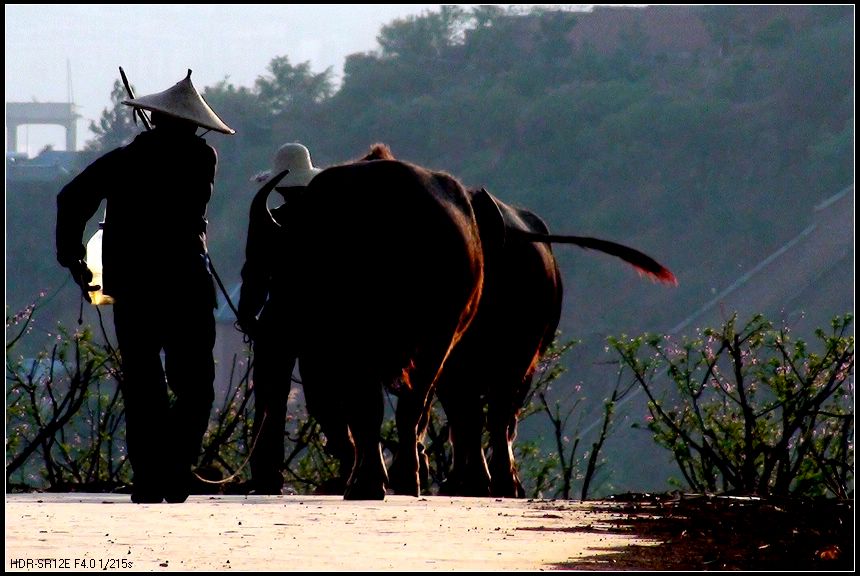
<point>642,262</point>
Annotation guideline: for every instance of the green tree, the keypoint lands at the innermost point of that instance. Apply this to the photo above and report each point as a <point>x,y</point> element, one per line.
<point>117,125</point>
<point>421,38</point>
<point>292,89</point>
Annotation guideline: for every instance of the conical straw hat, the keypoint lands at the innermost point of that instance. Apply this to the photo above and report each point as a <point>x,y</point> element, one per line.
<point>183,101</point>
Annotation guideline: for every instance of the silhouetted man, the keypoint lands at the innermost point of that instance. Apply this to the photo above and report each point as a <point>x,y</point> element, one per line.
<point>265,292</point>
<point>156,269</point>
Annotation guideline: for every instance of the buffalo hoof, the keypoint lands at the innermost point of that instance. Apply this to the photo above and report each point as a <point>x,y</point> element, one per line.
<point>407,490</point>
<point>403,481</point>
<point>475,490</point>
<point>508,490</point>
<point>359,492</point>
<point>479,490</point>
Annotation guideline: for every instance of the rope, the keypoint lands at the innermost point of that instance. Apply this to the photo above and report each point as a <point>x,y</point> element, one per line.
<point>246,337</point>
<point>232,476</point>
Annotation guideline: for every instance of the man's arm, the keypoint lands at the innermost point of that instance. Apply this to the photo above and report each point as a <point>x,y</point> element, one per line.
<point>77,202</point>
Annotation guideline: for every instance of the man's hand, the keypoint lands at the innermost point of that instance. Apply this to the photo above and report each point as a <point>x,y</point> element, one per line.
<point>247,325</point>
<point>82,277</point>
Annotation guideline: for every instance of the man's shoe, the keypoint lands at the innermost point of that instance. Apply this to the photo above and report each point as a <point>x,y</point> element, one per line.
<point>178,487</point>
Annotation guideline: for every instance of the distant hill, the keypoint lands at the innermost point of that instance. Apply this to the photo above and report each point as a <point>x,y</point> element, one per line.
<point>802,285</point>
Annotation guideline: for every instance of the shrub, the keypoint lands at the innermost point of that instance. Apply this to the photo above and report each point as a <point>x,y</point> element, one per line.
<point>753,411</point>
<point>64,413</point>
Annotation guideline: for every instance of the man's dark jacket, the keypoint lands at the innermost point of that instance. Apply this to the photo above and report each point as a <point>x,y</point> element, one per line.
<point>157,188</point>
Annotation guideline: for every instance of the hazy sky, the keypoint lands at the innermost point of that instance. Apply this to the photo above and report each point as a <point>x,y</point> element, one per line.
<point>55,50</point>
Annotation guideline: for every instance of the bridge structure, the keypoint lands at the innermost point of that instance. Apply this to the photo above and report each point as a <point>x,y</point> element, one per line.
<point>53,113</point>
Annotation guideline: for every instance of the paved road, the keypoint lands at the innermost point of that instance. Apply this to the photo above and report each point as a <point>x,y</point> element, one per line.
<point>75,532</point>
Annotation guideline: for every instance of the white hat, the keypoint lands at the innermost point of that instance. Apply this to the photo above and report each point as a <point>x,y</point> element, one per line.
<point>184,102</point>
<point>297,159</point>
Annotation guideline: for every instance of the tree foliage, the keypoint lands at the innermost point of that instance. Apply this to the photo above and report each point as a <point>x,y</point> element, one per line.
<point>291,89</point>
<point>117,126</point>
